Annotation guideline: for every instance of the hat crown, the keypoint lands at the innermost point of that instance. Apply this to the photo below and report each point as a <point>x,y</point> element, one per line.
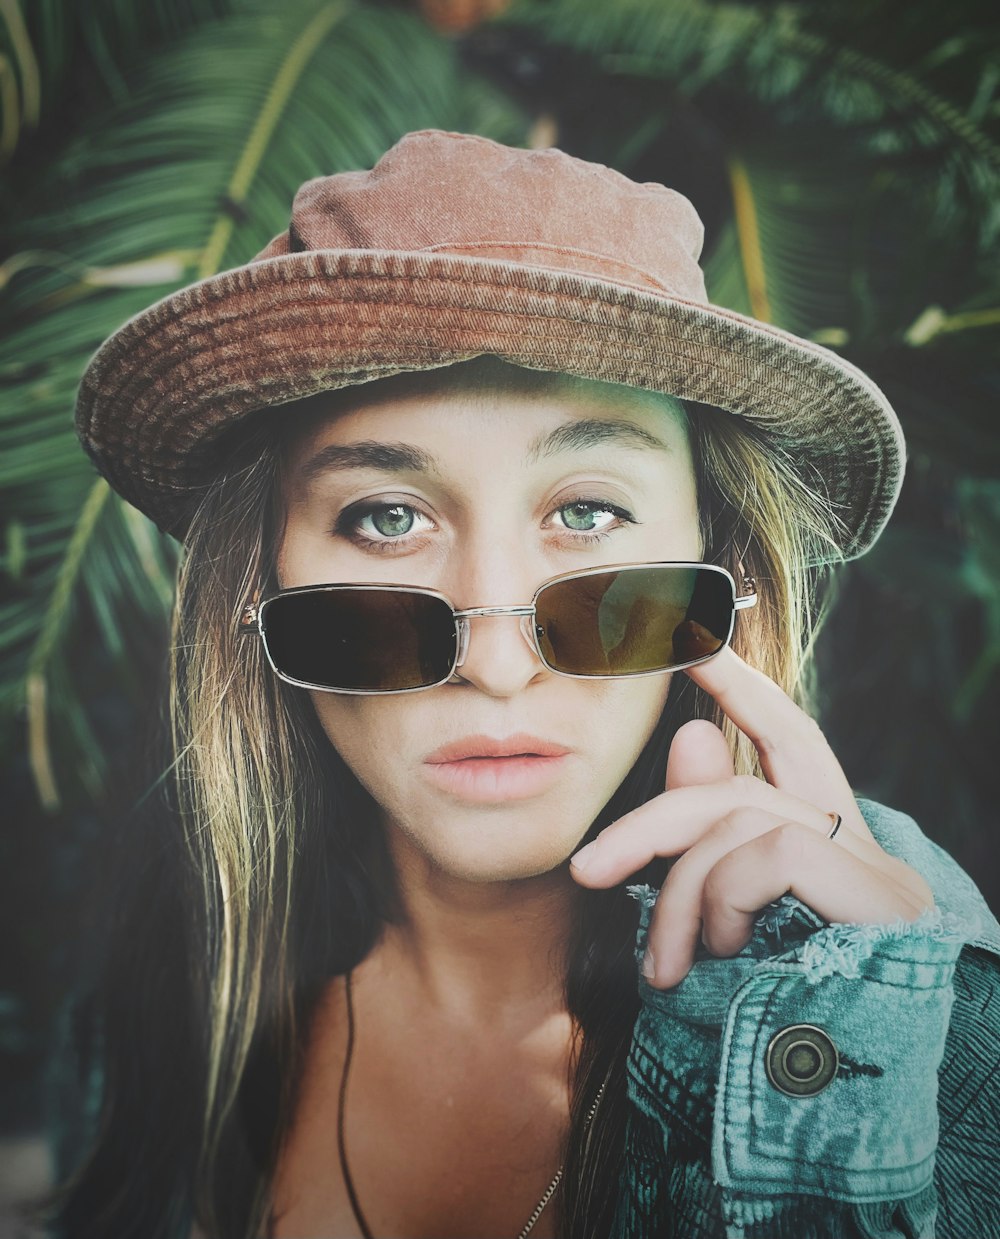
<point>461,194</point>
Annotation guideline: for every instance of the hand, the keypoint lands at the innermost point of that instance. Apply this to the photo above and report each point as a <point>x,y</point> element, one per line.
<point>743,843</point>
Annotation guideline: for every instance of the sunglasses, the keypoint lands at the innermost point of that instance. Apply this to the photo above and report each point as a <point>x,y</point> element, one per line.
<point>609,622</point>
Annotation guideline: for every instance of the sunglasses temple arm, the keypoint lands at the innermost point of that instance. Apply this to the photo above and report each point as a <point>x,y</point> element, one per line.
<point>248,624</point>
<point>749,596</point>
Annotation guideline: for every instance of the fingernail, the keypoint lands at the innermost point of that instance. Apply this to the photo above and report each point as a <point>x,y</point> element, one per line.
<point>583,858</point>
<point>648,965</point>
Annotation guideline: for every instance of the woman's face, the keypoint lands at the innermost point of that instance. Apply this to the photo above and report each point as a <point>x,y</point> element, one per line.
<point>482,494</point>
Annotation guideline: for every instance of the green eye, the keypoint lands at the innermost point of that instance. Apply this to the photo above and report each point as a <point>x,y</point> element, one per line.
<point>584,516</point>
<point>391,522</point>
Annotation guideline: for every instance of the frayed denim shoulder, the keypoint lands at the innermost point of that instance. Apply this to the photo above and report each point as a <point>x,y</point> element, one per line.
<point>646,895</point>
<point>840,949</point>
<point>776,920</point>
<point>789,929</point>
<point>784,920</point>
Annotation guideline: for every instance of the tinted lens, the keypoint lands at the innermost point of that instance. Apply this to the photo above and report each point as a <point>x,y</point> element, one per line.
<point>629,621</point>
<point>374,639</point>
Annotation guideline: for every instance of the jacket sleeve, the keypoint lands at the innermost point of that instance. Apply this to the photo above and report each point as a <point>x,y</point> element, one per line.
<point>967,1174</point>
<point>814,1084</point>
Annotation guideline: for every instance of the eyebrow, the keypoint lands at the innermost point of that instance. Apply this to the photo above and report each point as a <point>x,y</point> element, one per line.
<point>592,432</point>
<point>387,457</point>
<point>574,436</point>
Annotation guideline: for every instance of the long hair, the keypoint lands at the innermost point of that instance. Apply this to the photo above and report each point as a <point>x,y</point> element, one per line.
<point>760,521</point>
<point>260,872</point>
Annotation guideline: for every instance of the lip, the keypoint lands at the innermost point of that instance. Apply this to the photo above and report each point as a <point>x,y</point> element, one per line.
<point>483,770</point>
<point>521,744</point>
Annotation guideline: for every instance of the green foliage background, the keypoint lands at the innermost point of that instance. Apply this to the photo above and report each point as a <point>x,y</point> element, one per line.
<point>845,157</point>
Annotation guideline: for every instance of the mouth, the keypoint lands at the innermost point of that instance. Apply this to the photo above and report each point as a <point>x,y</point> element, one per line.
<point>483,770</point>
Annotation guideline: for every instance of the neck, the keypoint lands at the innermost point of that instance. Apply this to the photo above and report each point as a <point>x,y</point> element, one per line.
<point>490,953</point>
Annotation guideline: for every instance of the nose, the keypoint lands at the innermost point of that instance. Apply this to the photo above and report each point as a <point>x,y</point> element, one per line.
<point>495,649</point>
<point>496,652</point>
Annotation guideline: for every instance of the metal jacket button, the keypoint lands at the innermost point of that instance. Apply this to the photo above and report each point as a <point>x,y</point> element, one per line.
<point>801,1060</point>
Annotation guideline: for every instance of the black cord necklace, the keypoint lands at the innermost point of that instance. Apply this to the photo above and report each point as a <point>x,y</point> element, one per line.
<point>352,1195</point>
<point>359,1216</point>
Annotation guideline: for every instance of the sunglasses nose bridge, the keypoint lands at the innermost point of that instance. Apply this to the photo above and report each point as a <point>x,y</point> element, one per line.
<point>462,619</point>
<point>528,632</point>
<point>462,622</point>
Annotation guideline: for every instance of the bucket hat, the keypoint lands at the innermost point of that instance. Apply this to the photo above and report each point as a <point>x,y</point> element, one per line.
<point>451,247</point>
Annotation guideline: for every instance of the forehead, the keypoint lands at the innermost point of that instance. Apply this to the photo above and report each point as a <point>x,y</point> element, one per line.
<point>529,413</point>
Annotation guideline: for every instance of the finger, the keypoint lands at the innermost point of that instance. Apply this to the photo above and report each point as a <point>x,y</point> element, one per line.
<point>676,924</point>
<point>675,927</point>
<point>676,820</point>
<point>698,754</point>
<point>794,753</point>
<point>790,859</point>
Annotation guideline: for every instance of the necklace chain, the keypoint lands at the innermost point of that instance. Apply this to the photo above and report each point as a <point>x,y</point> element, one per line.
<point>546,1197</point>
<point>352,1194</point>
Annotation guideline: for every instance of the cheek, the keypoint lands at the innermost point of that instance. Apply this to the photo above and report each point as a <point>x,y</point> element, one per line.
<point>368,733</point>
<point>629,713</point>
<point>385,739</point>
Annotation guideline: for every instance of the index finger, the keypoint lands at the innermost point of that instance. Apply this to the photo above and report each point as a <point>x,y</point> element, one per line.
<point>794,753</point>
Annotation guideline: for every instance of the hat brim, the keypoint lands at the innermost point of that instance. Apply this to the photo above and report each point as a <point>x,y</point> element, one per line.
<point>160,392</point>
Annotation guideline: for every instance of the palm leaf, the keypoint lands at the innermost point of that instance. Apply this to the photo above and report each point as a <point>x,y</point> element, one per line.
<point>195,173</point>
<point>790,239</point>
<point>813,65</point>
<point>52,48</point>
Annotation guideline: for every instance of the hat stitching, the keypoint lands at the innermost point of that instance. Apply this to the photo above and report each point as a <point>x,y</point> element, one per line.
<point>698,310</point>
<point>179,304</point>
<point>636,357</point>
<point>152,338</point>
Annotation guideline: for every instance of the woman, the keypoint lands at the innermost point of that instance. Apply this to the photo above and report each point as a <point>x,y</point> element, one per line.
<point>473,483</point>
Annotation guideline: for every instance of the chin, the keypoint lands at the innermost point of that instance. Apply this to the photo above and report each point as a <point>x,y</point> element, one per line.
<point>493,846</point>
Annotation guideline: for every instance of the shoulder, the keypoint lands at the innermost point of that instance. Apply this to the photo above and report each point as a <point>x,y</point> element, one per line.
<point>903,1020</point>
<point>955,893</point>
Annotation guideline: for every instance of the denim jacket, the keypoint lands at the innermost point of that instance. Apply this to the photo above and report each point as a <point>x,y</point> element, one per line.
<point>830,1080</point>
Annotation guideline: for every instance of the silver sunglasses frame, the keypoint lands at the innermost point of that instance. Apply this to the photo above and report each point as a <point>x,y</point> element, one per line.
<point>252,622</point>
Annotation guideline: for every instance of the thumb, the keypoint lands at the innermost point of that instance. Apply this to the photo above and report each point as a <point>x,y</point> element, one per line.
<point>698,754</point>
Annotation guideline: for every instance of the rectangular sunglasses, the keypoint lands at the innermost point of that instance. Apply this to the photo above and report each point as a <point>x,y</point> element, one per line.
<point>614,621</point>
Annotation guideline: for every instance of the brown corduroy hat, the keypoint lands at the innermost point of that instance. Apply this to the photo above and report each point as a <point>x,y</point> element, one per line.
<point>454,246</point>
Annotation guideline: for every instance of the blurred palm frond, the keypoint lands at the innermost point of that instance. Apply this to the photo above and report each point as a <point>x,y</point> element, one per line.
<point>49,49</point>
<point>932,105</point>
<point>194,172</point>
